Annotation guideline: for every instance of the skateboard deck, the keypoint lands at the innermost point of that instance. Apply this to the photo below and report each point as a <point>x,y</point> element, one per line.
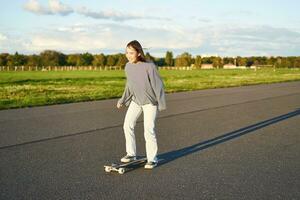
<point>121,168</point>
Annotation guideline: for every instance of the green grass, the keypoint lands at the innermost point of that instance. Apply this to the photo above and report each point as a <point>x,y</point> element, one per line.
<point>26,89</point>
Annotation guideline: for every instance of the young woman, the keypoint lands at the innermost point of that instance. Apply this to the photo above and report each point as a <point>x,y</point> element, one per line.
<point>144,92</point>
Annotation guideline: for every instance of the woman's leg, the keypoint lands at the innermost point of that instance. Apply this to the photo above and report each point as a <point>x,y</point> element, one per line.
<point>133,113</point>
<point>150,112</point>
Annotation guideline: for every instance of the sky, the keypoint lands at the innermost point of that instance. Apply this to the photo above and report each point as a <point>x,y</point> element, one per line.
<point>199,27</point>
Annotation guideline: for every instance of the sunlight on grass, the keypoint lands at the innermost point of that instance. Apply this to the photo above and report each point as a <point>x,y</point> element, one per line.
<point>24,89</point>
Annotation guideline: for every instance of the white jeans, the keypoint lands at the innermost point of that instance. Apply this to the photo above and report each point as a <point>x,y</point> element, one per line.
<point>133,113</point>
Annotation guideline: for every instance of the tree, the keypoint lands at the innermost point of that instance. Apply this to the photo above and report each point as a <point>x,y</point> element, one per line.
<point>217,62</point>
<point>75,60</point>
<point>111,60</point>
<point>159,61</point>
<point>16,60</point>
<point>52,58</point>
<point>250,61</point>
<point>99,60</point>
<point>278,62</point>
<point>72,59</point>
<point>285,63</point>
<point>185,59</point>
<point>3,59</point>
<point>198,62</point>
<point>290,61</point>
<point>241,61</point>
<point>34,60</point>
<point>87,59</point>
<point>169,59</point>
<point>271,61</point>
<point>122,60</point>
<point>297,62</point>
<point>149,57</point>
<point>206,60</point>
<point>256,63</point>
<point>228,60</point>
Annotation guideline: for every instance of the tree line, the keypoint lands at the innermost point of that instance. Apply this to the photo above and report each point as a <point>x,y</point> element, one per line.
<point>55,58</point>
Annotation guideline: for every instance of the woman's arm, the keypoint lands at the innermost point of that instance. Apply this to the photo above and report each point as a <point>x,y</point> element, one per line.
<point>126,97</point>
<point>157,86</point>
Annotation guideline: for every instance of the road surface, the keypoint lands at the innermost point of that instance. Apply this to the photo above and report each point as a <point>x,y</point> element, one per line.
<point>233,143</point>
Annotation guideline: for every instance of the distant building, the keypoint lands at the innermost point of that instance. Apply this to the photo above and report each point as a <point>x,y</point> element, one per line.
<point>207,66</point>
<point>229,66</point>
<point>232,66</point>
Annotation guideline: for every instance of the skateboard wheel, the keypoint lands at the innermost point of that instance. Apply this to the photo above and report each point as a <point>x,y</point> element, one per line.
<point>121,170</point>
<point>108,169</point>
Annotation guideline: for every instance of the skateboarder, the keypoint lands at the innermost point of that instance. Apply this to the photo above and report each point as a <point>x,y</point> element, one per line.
<point>144,92</point>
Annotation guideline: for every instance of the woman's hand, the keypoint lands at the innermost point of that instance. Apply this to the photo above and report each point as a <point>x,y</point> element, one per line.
<point>119,105</point>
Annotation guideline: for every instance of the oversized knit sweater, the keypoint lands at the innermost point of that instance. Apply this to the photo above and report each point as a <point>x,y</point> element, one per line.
<point>144,85</point>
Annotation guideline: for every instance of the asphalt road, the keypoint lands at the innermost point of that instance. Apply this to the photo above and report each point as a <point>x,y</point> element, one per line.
<point>234,143</point>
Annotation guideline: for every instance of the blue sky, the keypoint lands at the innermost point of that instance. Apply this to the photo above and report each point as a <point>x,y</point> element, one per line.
<point>200,27</point>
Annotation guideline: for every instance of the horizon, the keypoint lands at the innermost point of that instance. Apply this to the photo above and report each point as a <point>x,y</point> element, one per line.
<point>174,56</point>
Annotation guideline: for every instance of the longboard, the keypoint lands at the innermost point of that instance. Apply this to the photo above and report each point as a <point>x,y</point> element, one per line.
<point>121,168</point>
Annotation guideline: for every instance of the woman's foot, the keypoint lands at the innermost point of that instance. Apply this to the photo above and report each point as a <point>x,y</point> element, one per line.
<point>127,159</point>
<point>150,165</point>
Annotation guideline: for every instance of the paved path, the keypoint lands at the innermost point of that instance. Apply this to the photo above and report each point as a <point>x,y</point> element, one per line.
<point>234,143</point>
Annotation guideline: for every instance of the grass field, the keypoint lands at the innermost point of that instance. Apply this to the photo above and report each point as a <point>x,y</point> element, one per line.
<point>35,88</point>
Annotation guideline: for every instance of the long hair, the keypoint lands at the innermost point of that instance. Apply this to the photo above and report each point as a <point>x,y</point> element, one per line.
<point>138,47</point>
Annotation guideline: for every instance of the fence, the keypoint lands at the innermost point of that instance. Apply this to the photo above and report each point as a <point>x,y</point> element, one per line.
<point>93,68</point>
<point>57,68</point>
<point>76,68</point>
<point>176,68</point>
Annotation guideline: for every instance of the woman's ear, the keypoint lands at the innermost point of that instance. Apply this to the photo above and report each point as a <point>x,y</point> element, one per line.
<point>139,55</point>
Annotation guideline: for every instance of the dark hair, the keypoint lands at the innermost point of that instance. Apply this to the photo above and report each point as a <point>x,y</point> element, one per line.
<point>138,47</point>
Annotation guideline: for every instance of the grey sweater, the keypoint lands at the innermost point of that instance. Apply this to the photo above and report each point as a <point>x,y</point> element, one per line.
<point>144,85</point>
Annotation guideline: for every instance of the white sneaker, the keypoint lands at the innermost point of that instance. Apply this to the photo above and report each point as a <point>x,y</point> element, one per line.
<point>150,165</point>
<point>127,159</point>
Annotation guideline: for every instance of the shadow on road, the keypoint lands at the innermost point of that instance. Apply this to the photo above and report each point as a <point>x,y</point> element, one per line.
<point>173,155</point>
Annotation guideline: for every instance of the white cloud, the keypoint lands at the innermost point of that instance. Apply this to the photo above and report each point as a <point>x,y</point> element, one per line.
<point>109,14</point>
<point>12,43</point>
<point>100,37</point>
<point>253,40</point>
<point>75,38</point>
<point>3,37</point>
<point>116,15</point>
<point>55,7</point>
<point>35,7</point>
<point>112,38</point>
